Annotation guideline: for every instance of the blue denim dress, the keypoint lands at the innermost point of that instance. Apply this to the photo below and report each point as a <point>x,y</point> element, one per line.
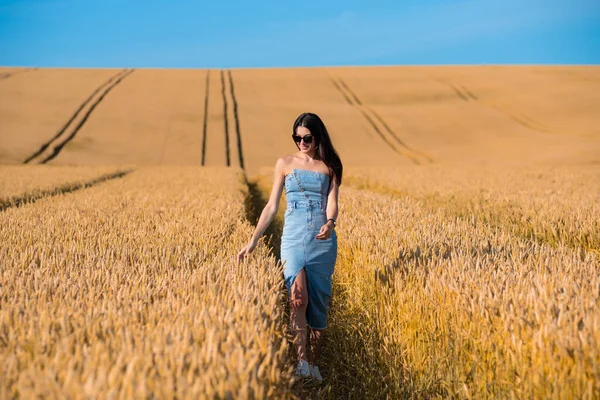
<point>306,195</point>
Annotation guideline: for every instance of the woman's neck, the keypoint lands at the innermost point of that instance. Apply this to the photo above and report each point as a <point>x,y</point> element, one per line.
<point>312,156</point>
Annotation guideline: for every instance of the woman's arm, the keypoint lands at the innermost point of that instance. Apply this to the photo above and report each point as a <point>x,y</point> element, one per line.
<point>331,211</point>
<point>269,211</point>
<point>332,200</point>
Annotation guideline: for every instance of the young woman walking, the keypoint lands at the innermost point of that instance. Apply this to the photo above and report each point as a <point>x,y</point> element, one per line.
<point>311,178</point>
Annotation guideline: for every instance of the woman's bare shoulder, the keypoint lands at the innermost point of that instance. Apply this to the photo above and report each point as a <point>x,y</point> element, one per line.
<point>285,163</point>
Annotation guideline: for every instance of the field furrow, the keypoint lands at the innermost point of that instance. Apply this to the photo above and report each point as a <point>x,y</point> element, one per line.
<point>353,101</point>
<point>152,117</point>
<point>378,124</point>
<point>62,130</point>
<point>226,120</point>
<point>519,118</point>
<point>270,100</point>
<point>562,104</point>
<point>205,116</point>
<point>431,116</point>
<point>453,115</point>
<point>64,136</point>
<point>35,105</point>
<point>19,180</point>
<point>9,72</point>
<point>130,287</point>
<point>236,119</point>
<point>234,154</point>
<point>217,151</point>
<point>23,185</point>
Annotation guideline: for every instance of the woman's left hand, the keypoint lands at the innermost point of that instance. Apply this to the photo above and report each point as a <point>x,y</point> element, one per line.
<point>325,232</point>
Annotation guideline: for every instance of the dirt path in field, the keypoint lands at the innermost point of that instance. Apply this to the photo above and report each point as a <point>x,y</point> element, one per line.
<point>66,188</point>
<point>62,138</point>
<point>379,125</point>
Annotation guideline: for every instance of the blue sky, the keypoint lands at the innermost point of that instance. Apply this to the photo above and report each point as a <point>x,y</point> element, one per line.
<point>229,34</point>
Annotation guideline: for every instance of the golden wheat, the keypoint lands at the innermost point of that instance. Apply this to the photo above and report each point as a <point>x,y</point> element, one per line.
<point>20,183</point>
<point>452,281</point>
<point>129,288</point>
<point>551,204</point>
<point>428,305</point>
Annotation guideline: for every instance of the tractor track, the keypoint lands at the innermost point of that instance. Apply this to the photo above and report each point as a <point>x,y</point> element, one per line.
<point>9,74</point>
<point>379,125</point>
<point>236,119</point>
<point>223,93</point>
<point>232,101</point>
<point>205,121</point>
<point>105,88</point>
<point>63,189</point>
<point>525,121</point>
<point>339,88</point>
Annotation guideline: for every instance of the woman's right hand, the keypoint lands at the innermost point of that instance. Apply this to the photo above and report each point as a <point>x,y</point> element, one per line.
<point>246,250</point>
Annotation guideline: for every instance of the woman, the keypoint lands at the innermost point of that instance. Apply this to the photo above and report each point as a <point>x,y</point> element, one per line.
<point>311,178</point>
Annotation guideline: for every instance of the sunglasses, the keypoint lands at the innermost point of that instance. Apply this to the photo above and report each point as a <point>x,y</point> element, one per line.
<point>307,139</point>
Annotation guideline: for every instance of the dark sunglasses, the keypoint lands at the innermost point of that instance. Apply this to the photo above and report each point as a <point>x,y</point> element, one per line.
<point>307,139</point>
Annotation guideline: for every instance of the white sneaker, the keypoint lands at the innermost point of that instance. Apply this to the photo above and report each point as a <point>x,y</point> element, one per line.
<point>315,373</point>
<point>303,368</point>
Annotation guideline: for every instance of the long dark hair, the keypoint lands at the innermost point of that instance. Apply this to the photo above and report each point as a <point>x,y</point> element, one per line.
<point>324,147</point>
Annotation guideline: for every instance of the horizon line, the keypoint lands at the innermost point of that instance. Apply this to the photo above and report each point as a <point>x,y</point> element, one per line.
<point>318,66</point>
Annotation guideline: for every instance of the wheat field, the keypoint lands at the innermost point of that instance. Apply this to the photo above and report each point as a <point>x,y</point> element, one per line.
<point>445,300</point>
<point>469,236</point>
<point>127,288</point>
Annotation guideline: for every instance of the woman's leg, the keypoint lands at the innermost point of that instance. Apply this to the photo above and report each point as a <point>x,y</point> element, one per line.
<point>299,302</point>
<point>316,336</point>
